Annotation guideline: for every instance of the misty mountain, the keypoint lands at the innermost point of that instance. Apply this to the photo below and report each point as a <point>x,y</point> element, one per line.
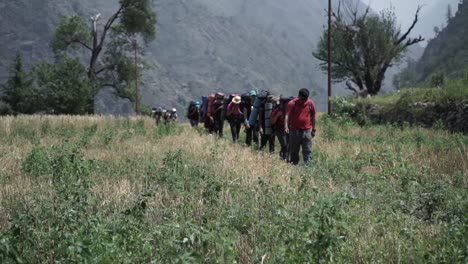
<point>202,46</point>
<point>434,15</point>
<point>447,53</point>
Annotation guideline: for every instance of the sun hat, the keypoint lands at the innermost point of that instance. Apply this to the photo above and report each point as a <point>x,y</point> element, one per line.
<point>236,99</point>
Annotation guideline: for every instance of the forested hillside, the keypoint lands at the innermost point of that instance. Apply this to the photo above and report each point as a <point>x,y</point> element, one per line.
<point>201,45</point>
<point>447,53</point>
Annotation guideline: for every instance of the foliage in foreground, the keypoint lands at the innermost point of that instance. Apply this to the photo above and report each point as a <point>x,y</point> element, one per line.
<point>105,190</point>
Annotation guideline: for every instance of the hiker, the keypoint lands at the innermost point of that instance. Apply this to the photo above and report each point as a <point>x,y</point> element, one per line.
<point>173,115</point>
<point>208,110</point>
<point>157,114</point>
<point>166,116</point>
<point>251,130</point>
<point>235,117</point>
<point>300,125</point>
<point>216,114</point>
<point>267,135</point>
<point>193,113</point>
<point>277,120</point>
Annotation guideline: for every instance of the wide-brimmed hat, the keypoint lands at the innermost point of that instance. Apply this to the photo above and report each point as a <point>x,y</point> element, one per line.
<point>236,99</point>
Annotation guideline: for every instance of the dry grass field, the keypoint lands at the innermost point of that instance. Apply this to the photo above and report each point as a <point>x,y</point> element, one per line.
<point>107,190</point>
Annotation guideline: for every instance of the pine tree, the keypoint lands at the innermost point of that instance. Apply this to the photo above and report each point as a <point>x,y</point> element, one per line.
<point>19,92</point>
<point>449,14</point>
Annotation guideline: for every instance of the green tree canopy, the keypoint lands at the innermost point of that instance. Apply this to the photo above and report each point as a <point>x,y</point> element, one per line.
<point>364,46</point>
<point>109,49</point>
<point>19,92</point>
<point>65,87</point>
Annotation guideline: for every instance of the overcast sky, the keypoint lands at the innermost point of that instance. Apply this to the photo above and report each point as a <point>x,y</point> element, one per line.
<point>404,9</point>
<point>433,14</point>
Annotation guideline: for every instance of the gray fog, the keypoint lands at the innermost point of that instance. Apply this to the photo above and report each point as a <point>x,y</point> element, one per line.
<point>433,13</point>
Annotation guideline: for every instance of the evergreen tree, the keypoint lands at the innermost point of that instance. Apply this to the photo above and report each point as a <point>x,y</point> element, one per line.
<point>449,14</point>
<point>19,92</point>
<point>64,86</point>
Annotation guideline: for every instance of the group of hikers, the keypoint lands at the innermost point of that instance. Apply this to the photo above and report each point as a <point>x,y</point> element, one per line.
<point>265,117</point>
<point>166,115</point>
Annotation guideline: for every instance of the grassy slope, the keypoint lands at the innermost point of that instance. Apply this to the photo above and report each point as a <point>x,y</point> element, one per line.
<point>105,190</point>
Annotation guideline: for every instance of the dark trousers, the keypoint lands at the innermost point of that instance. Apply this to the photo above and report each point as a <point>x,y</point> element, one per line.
<point>218,127</point>
<point>264,139</point>
<point>252,134</point>
<point>235,124</point>
<point>194,122</point>
<point>283,140</point>
<point>298,139</point>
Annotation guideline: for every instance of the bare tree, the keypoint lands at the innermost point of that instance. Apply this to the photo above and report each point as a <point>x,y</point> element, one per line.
<point>365,45</point>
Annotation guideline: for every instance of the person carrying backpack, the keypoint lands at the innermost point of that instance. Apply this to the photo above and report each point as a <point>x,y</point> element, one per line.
<point>216,114</point>
<point>265,130</point>
<point>173,115</point>
<point>235,117</point>
<point>157,114</point>
<point>251,130</point>
<point>300,123</point>
<point>277,120</point>
<point>193,113</point>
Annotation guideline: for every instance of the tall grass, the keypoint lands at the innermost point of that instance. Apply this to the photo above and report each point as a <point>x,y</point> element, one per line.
<point>101,189</point>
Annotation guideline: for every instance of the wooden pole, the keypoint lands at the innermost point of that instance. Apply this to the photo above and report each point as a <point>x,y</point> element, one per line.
<point>329,58</point>
<point>135,46</point>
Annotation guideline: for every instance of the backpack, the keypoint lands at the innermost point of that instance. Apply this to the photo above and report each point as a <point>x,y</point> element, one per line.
<point>226,104</point>
<point>190,109</point>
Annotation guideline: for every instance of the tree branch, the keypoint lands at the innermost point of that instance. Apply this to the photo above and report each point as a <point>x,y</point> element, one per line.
<point>350,86</point>
<point>82,44</point>
<point>410,42</point>
<point>103,69</point>
<point>411,27</point>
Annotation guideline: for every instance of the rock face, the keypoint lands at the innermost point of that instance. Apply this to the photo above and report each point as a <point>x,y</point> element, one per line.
<point>202,46</point>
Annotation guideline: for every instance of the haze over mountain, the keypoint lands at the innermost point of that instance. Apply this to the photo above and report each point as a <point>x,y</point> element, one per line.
<point>433,13</point>
<point>202,46</point>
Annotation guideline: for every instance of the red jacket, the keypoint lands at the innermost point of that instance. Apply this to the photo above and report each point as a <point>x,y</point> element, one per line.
<point>300,114</point>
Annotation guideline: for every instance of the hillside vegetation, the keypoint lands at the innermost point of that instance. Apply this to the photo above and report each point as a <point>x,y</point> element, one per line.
<point>99,189</point>
<point>444,107</point>
<point>446,54</point>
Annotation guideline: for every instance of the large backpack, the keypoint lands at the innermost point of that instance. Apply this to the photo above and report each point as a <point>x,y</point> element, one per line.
<point>190,109</point>
<point>227,101</point>
<point>259,101</point>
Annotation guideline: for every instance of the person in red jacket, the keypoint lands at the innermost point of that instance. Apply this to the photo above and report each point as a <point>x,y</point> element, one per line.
<point>300,125</point>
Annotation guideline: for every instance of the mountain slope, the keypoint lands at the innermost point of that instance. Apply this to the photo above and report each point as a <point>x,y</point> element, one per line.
<point>202,45</point>
<point>447,53</point>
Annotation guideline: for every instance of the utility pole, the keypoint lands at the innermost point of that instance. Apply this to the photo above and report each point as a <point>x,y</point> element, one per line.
<point>329,57</point>
<point>135,46</point>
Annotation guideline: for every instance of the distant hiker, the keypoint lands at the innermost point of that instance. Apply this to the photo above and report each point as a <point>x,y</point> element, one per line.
<point>235,117</point>
<point>300,125</point>
<point>193,113</point>
<point>218,115</point>
<point>277,120</point>
<point>207,109</point>
<point>252,132</point>
<point>157,114</point>
<point>267,135</point>
<point>173,116</point>
<point>166,116</point>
